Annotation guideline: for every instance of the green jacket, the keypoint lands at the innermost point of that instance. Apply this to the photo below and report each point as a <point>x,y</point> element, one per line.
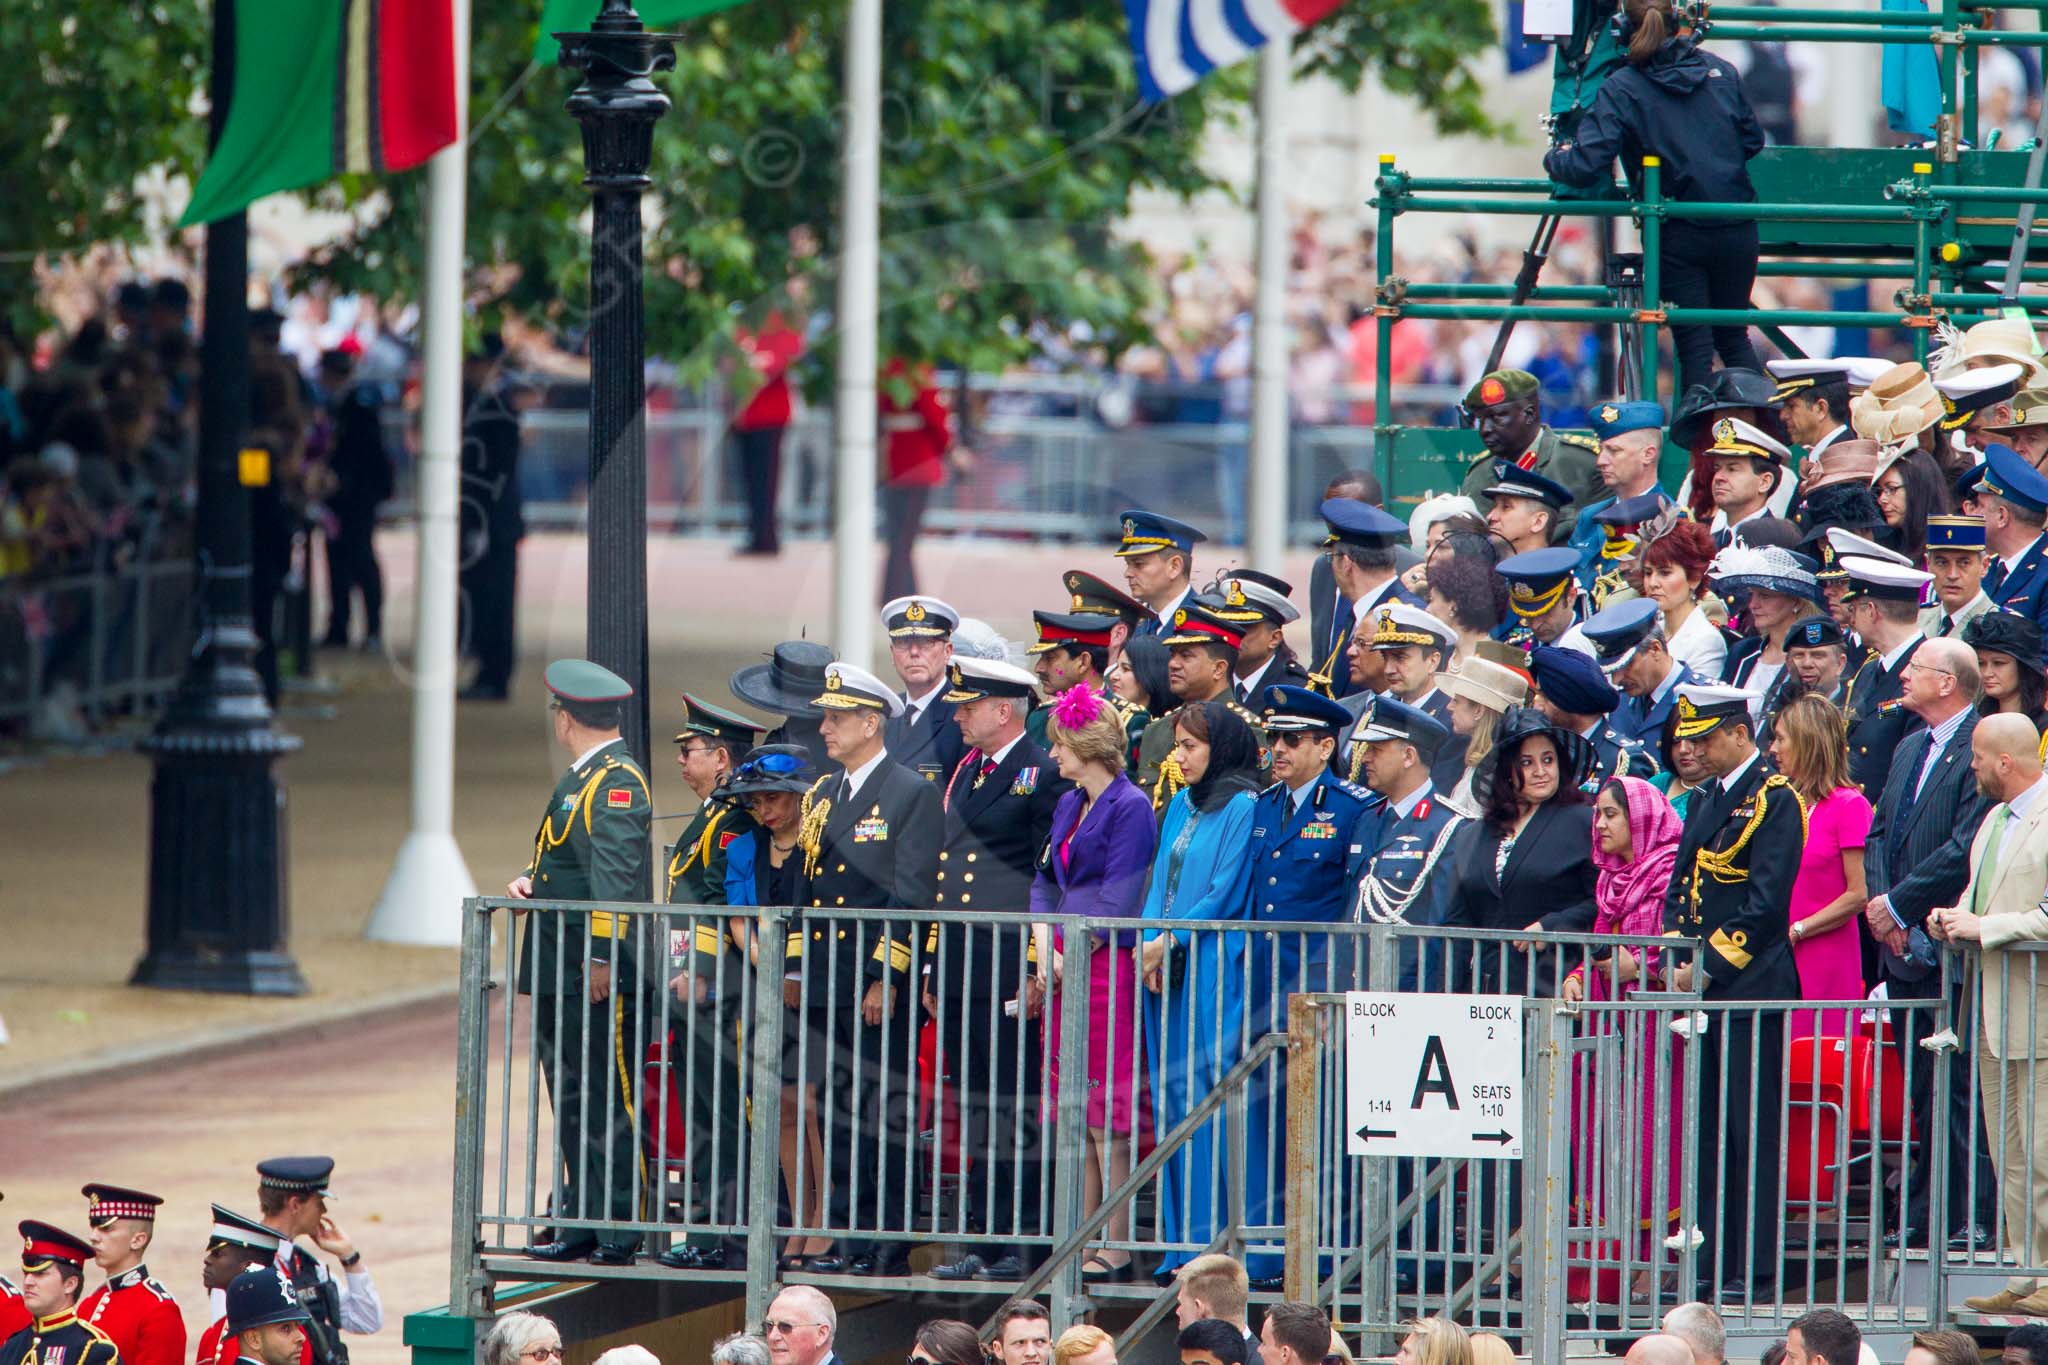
<point>1567,458</point>
<point>696,876</point>
<point>592,845</point>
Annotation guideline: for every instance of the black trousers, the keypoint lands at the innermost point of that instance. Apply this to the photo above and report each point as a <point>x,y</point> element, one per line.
<point>590,1084</point>
<point>760,453</point>
<point>869,1121</point>
<point>1738,1147</point>
<point>704,1063</point>
<point>1972,1183</point>
<point>1004,1142</point>
<point>490,596</point>
<point>1708,265</point>
<point>903,506</point>
<point>351,568</point>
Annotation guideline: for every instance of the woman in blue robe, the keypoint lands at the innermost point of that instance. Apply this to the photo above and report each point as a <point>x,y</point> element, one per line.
<point>1194,1016</point>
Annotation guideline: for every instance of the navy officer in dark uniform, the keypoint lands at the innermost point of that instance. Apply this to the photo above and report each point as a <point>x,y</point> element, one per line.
<point>922,737</point>
<point>1573,693</point>
<point>2013,498</point>
<point>1884,610</point>
<point>588,973</point>
<point>869,838</point>
<point>1408,832</point>
<point>998,803</point>
<point>1737,859</point>
<point>52,1274</point>
<point>1545,603</point>
<point>1628,644</point>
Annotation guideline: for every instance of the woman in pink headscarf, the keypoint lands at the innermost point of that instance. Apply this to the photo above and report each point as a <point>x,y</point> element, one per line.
<point>1635,850</point>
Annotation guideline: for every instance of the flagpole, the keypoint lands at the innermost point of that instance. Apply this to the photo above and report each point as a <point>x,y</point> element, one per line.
<point>422,898</point>
<point>853,504</point>
<point>1266,497</point>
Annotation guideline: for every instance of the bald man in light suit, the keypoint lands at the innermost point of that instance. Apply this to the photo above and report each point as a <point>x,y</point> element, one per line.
<point>2000,909</point>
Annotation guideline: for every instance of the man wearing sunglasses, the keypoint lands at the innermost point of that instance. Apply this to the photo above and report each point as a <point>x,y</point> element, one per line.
<point>800,1328</point>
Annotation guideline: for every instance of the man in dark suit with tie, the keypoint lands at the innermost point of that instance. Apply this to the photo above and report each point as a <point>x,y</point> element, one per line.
<point>1917,860</point>
<point>923,737</point>
<point>1325,603</point>
<point>1884,611</point>
<point>1360,549</point>
<point>869,838</point>
<point>980,982</point>
<point>1737,860</point>
<point>2013,498</point>
<point>1159,564</point>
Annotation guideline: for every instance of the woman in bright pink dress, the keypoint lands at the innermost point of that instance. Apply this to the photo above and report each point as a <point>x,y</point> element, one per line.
<point>1809,745</point>
<point>1635,852</point>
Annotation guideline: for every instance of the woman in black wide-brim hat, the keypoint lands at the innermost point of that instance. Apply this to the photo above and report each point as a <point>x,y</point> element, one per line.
<point>1527,862</point>
<point>785,685</point>
<point>2008,649</point>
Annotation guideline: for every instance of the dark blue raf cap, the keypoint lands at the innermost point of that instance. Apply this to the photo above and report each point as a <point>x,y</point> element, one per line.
<point>1621,417</point>
<point>1352,522</point>
<point>1510,480</point>
<point>1391,719</point>
<point>2008,475</point>
<point>1955,533</point>
<point>1537,579</point>
<point>1297,708</point>
<point>1571,681</point>
<point>1633,511</point>
<point>262,1297</point>
<point>1615,631</point>
<point>1813,633</point>
<point>296,1174</point>
<point>1147,533</point>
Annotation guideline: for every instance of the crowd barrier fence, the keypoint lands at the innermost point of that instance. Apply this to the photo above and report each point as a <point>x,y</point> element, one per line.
<point>1194,1097</point>
<point>110,642</point>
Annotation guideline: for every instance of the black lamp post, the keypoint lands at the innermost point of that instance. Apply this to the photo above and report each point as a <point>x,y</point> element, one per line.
<point>217,900</point>
<point>618,106</point>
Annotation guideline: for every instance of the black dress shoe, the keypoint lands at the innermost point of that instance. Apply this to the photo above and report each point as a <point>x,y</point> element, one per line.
<point>1762,1289</point>
<point>831,1263</point>
<point>1972,1237</point>
<point>683,1257</point>
<point>877,1263</point>
<point>716,1258</point>
<point>968,1267</point>
<point>1003,1268</point>
<point>615,1255</point>
<point>1164,1277</point>
<point>1914,1239</point>
<point>562,1251</point>
<point>1102,1273</point>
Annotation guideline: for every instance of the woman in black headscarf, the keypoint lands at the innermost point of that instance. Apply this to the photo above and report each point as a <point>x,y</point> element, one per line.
<point>1530,851</point>
<point>1194,1018</point>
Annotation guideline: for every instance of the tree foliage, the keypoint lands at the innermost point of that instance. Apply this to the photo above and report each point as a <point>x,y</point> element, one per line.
<point>108,92</point>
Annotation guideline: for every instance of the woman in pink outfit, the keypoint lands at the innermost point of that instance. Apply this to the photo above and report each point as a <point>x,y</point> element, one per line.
<point>1635,851</point>
<point>1810,747</point>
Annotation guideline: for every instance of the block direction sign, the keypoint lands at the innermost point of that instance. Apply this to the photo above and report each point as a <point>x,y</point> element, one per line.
<point>1433,1075</point>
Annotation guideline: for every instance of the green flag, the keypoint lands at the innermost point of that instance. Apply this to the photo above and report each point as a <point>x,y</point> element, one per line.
<point>570,16</point>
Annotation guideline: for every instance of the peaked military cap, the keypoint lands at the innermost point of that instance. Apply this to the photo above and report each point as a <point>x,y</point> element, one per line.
<point>104,1203</point>
<point>706,721</point>
<point>1970,392</point>
<point>298,1174</point>
<point>1147,533</point>
<point>583,681</point>
<point>1352,522</point>
<point>1616,631</point>
<point>234,1229</point>
<point>1197,625</point>
<point>1287,707</point>
<point>1510,480</point>
<point>45,1244</point>
<point>1538,579</point>
<point>1703,707</point>
<point>2008,475</point>
<point>1392,718</point>
<point>1094,596</point>
<point>849,687</point>
<point>919,618</point>
<point>971,679</point>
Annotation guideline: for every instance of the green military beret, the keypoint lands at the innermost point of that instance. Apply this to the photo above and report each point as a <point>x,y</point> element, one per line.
<point>584,681</point>
<point>715,722</point>
<point>1502,386</point>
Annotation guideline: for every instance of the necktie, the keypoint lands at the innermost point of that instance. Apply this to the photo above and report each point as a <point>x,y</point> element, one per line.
<point>988,765</point>
<point>1948,624</point>
<point>1982,891</point>
<point>1994,578</point>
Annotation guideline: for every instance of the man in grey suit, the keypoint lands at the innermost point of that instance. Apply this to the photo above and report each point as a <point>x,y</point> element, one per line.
<point>1916,861</point>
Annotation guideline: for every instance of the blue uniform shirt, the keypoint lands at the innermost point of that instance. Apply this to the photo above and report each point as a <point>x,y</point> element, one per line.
<point>1303,862</point>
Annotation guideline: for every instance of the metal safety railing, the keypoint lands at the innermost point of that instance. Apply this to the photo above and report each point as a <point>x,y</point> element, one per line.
<point>104,643</point>
<point>782,1082</point>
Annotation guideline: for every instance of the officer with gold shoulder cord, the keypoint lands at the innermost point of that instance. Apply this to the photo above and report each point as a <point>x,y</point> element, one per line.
<point>587,974</point>
<point>869,836</point>
<point>53,1273</point>
<point>1737,858</point>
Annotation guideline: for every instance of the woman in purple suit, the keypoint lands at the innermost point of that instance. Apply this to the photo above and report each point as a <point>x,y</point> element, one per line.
<point>1096,863</point>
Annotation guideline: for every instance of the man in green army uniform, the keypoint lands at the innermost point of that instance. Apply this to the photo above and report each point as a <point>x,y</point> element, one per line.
<point>1505,408</point>
<point>1073,651</point>
<point>709,982</point>
<point>588,973</point>
<point>1202,647</point>
<point>1088,595</point>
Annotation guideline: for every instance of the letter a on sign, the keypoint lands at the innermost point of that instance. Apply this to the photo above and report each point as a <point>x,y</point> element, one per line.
<point>1434,1075</point>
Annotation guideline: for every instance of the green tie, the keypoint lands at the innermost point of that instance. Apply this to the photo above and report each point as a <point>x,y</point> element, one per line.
<point>1983,889</point>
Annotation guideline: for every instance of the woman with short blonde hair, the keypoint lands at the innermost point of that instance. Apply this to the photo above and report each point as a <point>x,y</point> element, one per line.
<point>1079,1341</point>
<point>1434,1341</point>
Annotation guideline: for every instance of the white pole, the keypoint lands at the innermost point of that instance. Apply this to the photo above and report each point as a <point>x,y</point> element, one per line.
<point>853,503</point>
<point>1266,496</point>
<point>422,898</point>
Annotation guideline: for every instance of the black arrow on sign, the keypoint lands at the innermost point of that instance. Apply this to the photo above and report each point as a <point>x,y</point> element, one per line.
<point>1503,1137</point>
<point>1368,1134</point>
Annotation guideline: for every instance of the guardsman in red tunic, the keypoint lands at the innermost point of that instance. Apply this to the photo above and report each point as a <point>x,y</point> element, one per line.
<point>14,1314</point>
<point>137,1312</point>
<point>52,1274</point>
<point>236,1244</point>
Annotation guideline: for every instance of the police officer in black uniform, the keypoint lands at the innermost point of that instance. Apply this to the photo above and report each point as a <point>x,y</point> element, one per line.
<point>588,974</point>
<point>709,984</point>
<point>268,1324</point>
<point>869,838</point>
<point>1737,859</point>
<point>52,1274</point>
<point>981,985</point>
